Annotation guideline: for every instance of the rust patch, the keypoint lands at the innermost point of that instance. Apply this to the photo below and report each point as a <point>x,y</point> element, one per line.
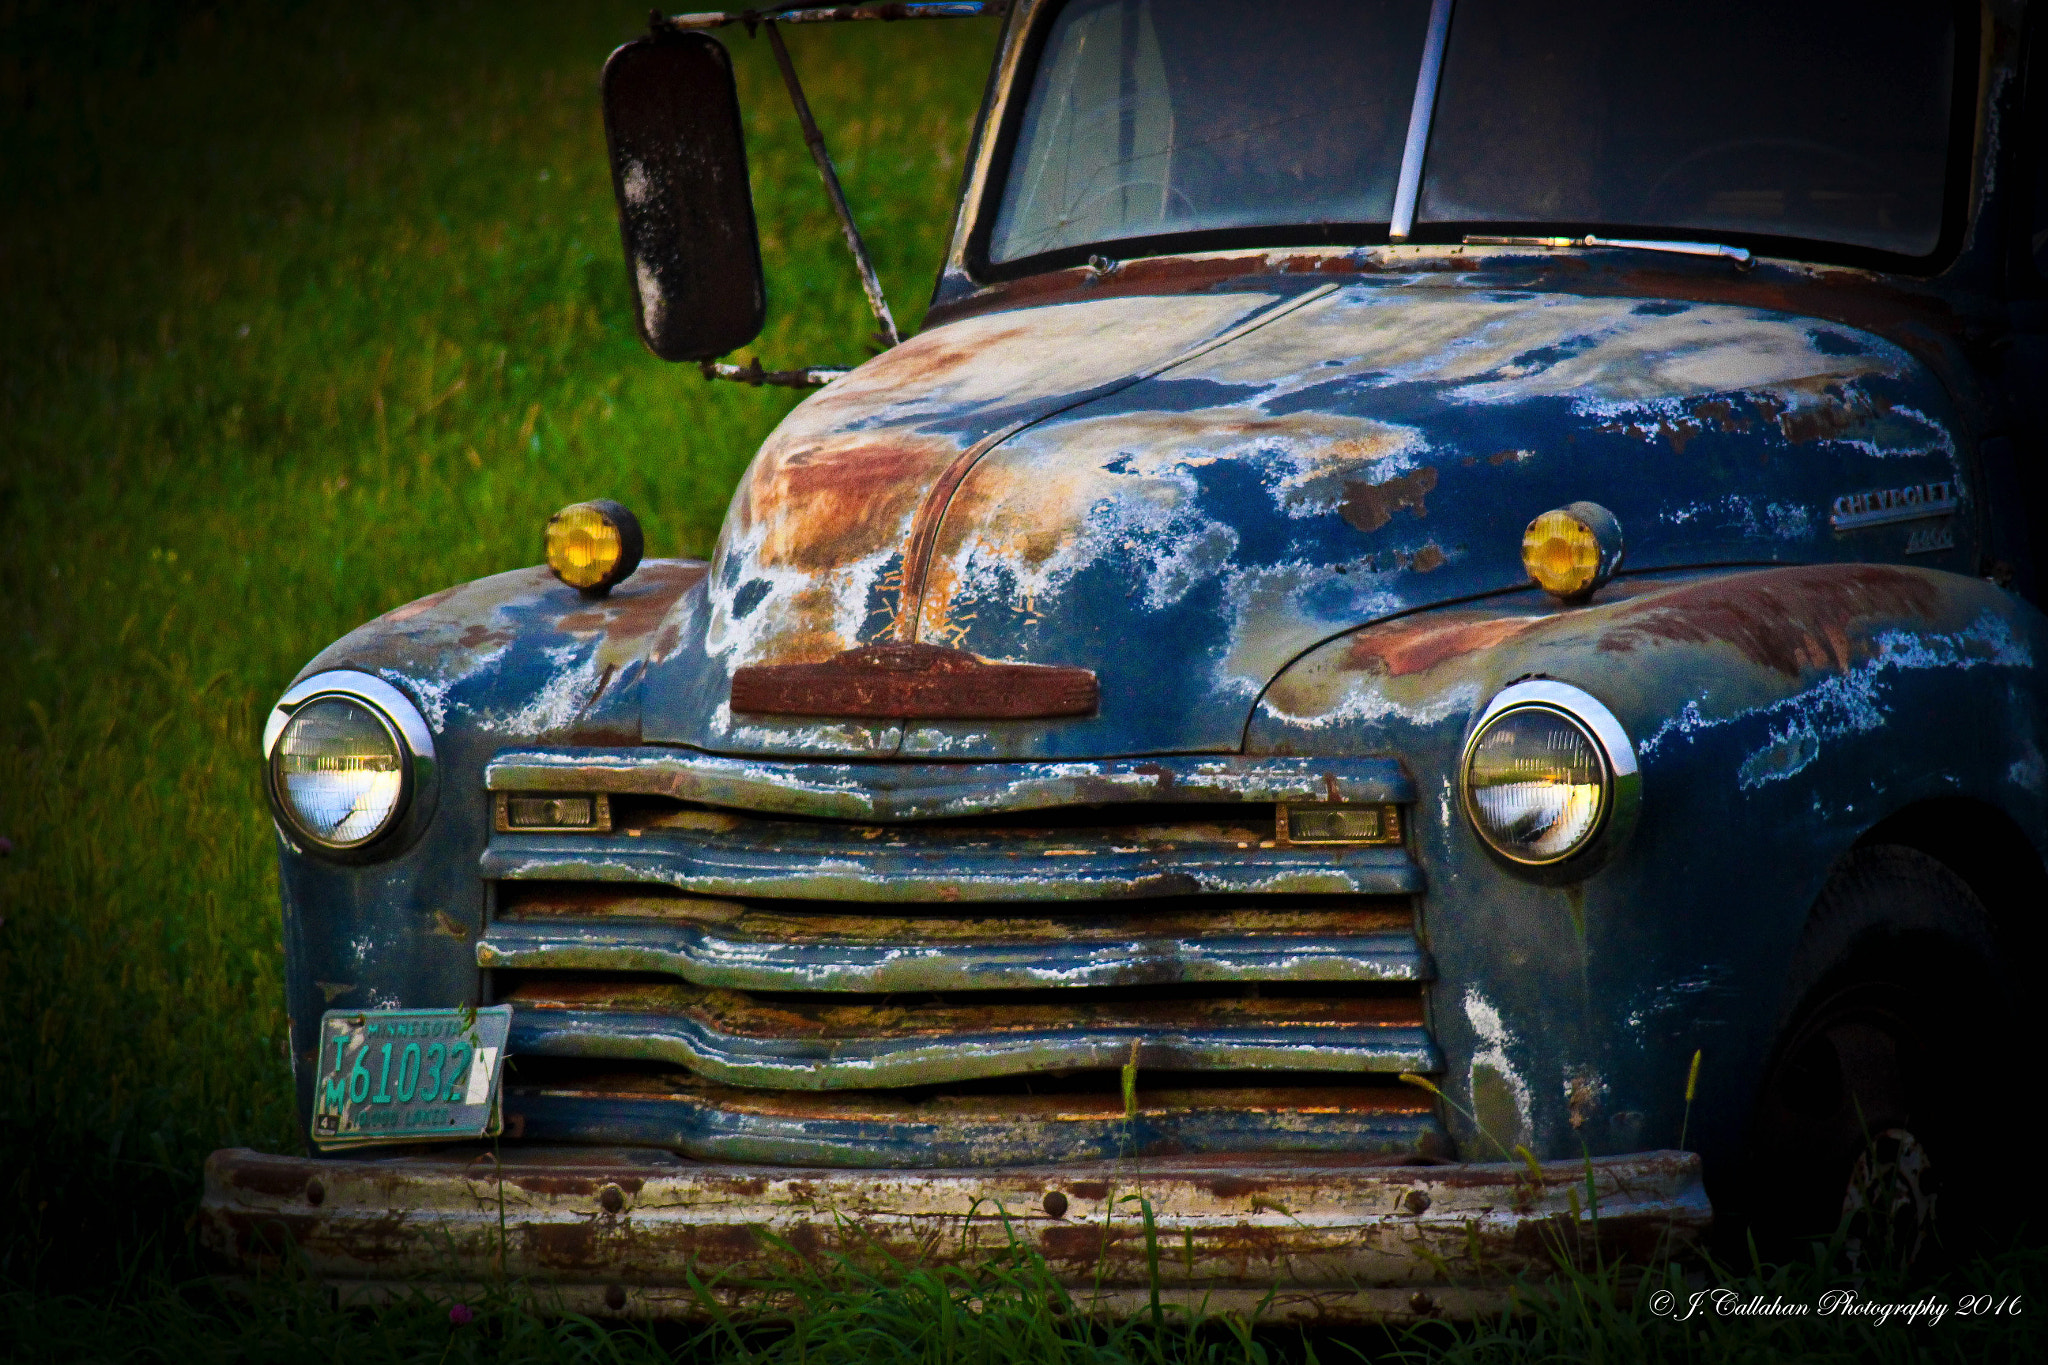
<point>905,681</point>
<point>563,1246</point>
<point>638,606</point>
<point>1369,506</point>
<point>1418,644</point>
<point>1833,413</point>
<point>927,358</point>
<point>480,636</point>
<point>1079,1246</point>
<point>1158,275</point>
<point>1088,1189</point>
<point>828,502</point>
<point>1786,620</point>
<point>415,607</point>
<point>1428,558</point>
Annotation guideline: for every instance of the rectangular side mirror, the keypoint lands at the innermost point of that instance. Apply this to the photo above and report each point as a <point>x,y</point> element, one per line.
<point>686,210</point>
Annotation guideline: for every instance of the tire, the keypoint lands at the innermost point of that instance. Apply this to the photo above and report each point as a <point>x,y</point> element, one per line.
<point>1875,1113</point>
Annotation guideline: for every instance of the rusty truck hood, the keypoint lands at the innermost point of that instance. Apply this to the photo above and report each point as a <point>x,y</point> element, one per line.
<point>1183,492</point>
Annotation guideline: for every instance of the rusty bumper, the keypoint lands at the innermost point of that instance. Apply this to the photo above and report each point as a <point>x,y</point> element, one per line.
<point>622,1231</point>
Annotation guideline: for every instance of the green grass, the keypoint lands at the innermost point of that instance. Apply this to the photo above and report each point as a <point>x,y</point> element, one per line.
<point>311,310</point>
<point>308,319</point>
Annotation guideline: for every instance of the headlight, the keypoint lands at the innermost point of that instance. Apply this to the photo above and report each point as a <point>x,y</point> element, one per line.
<point>340,772</point>
<point>1547,771</point>
<point>351,762</point>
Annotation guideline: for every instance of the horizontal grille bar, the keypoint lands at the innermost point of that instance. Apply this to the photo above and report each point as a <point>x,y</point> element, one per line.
<point>824,948</point>
<point>791,860</point>
<point>929,791</point>
<point>713,1123</point>
<point>824,1042</point>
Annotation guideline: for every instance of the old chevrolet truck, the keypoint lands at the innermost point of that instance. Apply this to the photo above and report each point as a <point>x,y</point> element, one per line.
<point>1433,647</point>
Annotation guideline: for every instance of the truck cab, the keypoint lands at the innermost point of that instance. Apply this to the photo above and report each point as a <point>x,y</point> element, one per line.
<point>1436,635</point>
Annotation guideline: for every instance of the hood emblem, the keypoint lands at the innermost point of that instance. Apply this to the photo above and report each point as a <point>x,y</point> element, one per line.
<point>1876,508</point>
<point>914,682</point>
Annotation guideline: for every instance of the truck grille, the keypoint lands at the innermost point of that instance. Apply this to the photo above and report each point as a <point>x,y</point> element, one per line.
<point>965,980</point>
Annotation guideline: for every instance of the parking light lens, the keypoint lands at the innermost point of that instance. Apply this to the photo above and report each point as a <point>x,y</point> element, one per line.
<point>339,772</point>
<point>1340,824</point>
<point>1537,785</point>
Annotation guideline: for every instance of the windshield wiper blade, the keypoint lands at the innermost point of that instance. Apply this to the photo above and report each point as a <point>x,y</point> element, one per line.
<point>1731,253</point>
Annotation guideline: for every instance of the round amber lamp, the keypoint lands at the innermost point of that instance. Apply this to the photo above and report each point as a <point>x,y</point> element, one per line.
<point>1571,551</point>
<point>592,546</point>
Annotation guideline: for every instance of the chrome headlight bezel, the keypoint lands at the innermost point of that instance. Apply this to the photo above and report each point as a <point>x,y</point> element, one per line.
<point>1623,777</point>
<point>419,784</point>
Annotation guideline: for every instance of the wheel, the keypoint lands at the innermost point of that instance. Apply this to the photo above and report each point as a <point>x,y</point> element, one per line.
<point>1883,1094</point>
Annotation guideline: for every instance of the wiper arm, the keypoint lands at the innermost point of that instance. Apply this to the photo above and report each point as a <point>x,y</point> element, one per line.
<point>1736,254</point>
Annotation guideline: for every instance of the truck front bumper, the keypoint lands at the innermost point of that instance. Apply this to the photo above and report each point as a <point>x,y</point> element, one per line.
<point>622,1231</point>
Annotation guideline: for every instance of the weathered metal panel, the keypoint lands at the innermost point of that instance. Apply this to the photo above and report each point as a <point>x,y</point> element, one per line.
<point>922,1131</point>
<point>622,1228</point>
<point>770,948</point>
<point>851,1042</point>
<point>793,860</point>
<point>517,658</point>
<point>933,791</point>
<point>810,560</point>
<point>1777,715</point>
<point>1185,529</point>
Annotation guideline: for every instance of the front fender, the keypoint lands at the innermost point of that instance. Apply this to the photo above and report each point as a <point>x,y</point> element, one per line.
<point>1777,715</point>
<point>509,660</point>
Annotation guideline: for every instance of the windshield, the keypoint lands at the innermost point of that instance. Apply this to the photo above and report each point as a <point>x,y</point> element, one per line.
<point>1150,117</point>
<point>1827,122</point>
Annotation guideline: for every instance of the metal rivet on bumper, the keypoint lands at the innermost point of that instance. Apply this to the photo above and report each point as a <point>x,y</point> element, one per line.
<point>1421,1303</point>
<point>615,1297</point>
<point>611,1199</point>
<point>1055,1204</point>
<point>315,1192</point>
<point>1417,1202</point>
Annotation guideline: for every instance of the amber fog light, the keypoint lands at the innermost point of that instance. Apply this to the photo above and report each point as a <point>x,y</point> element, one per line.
<point>1570,551</point>
<point>593,546</point>
<point>1548,771</point>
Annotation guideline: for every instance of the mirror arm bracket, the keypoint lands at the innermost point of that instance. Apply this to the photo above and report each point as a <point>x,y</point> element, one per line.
<point>815,140</point>
<point>809,377</point>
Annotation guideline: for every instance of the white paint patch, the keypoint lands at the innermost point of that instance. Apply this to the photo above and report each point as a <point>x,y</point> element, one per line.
<point>433,690</point>
<point>1758,519</point>
<point>761,633</point>
<point>1365,704</point>
<point>1494,1042</point>
<point>1269,628</point>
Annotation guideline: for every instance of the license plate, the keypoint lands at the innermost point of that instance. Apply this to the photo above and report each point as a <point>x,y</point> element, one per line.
<point>408,1075</point>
